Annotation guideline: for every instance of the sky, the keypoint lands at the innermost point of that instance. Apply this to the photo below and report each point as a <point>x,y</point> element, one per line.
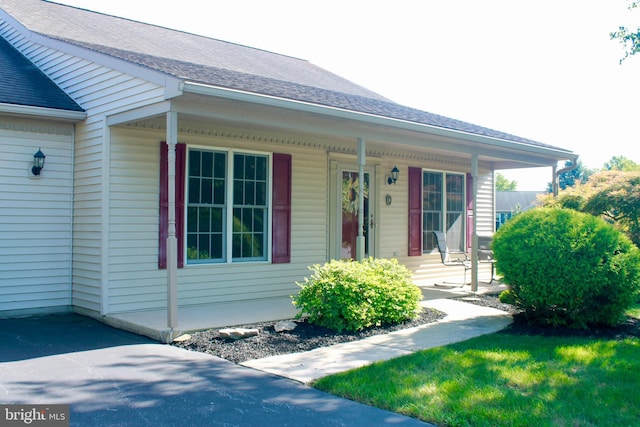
<point>541,69</point>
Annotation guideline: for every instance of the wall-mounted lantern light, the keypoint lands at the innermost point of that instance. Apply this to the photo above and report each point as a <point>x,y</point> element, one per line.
<point>38,162</point>
<point>391,179</point>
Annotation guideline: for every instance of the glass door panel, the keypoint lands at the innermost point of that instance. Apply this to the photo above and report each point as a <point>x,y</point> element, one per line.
<point>351,188</point>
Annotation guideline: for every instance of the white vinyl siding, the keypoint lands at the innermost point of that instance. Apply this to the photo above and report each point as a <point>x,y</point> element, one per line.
<point>101,91</point>
<point>136,283</point>
<point>35,217</point>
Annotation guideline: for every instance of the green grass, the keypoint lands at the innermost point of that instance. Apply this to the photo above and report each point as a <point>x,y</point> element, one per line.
<point>506,380</point>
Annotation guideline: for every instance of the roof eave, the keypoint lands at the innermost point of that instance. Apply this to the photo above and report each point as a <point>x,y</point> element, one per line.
<point>334,112</point>
<point>51,113</point>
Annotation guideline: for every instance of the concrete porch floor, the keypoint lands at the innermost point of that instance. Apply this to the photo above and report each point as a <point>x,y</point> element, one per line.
<point>153,323</point>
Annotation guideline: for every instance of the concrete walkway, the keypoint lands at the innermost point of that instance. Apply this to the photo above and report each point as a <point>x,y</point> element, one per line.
<point>463,321</point>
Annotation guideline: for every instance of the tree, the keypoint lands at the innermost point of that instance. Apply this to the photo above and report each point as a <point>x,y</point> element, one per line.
<point>629,39</point>
<point>613,195</point>
<point>578,175</point>
<point>503,184</point>
<point>621,163</point>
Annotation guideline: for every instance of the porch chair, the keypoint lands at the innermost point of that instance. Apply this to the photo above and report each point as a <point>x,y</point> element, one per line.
<point>452,258</point>
<point>485,254</point>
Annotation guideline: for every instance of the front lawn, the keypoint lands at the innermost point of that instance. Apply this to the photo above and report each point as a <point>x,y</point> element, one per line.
<point>507,379</point>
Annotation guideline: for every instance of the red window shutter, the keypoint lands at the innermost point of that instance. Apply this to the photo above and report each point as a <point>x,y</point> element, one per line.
<point>181,150</point>
<point>415,211</point>
<point>281,209</point>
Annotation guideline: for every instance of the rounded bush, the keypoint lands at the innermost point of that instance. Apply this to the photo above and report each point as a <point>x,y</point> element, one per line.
<point>350,295</point>
<point>566,268</point>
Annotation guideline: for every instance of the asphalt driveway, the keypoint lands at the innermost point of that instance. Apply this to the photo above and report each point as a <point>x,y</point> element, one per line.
<point>114,378</point>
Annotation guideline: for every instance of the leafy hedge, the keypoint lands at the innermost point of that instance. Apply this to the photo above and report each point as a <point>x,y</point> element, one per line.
<point>567,268</point>
<point>350,295</point>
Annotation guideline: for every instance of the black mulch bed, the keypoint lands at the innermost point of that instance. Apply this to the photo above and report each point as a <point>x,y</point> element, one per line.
<point>520,326</point>
<point>304,337</point>
<point>308,337</point>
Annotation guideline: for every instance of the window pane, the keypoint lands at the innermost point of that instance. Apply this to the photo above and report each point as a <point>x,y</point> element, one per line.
<point>192,246</point>
<point>192,220</point>
<point>261,193</point>
<point>194,190</point>
<point>217,246</point>
<point>238,192</point>
<point>219,190</point>
<point>247,215</point>
<point>250,167</point>
<point>455,212</point>
<point>238,166</point>
<point>237,246</point>
<point>220,166</point>
<point>204,220</point>
<point>204,241</point>
<point>261,168</point>
<point>217,220</point>
<point>207,164</point>
<point>249,210</point>
<point>431,208</point>
<point>205,206</point>
<point>237,220</point>
<point>249,193</point>
<point>206,191</point>
<point>258,219</point>
<point>194,163</point>
<point>258,244</point>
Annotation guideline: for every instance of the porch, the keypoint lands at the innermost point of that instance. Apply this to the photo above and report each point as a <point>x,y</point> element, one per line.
<point>153,323</point>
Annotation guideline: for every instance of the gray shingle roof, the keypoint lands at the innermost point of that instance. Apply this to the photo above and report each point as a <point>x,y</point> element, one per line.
<point>24,84</point>
<point>213,62</point>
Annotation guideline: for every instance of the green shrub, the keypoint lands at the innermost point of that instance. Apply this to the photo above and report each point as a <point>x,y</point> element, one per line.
<point>350,295</point>
<point>567,268</point>
<point>507,297</point>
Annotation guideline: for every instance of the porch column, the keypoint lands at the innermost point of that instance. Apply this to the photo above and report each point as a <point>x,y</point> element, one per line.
<point>474,235</point>
<point>172,241</point>
<point>360,242</point>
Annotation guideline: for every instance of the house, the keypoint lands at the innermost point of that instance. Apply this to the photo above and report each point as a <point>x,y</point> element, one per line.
<point>189,179</point>
<point>509,203</point>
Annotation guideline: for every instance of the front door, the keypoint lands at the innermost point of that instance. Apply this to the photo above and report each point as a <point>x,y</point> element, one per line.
<point>348,221</point>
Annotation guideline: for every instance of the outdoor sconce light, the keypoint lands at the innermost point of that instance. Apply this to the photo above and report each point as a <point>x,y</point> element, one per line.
<point>38,162</point>
<point>394,175</point>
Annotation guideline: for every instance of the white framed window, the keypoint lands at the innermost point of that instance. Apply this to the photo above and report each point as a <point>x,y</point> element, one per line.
<point>443,208</point>
<point>227,206</point>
